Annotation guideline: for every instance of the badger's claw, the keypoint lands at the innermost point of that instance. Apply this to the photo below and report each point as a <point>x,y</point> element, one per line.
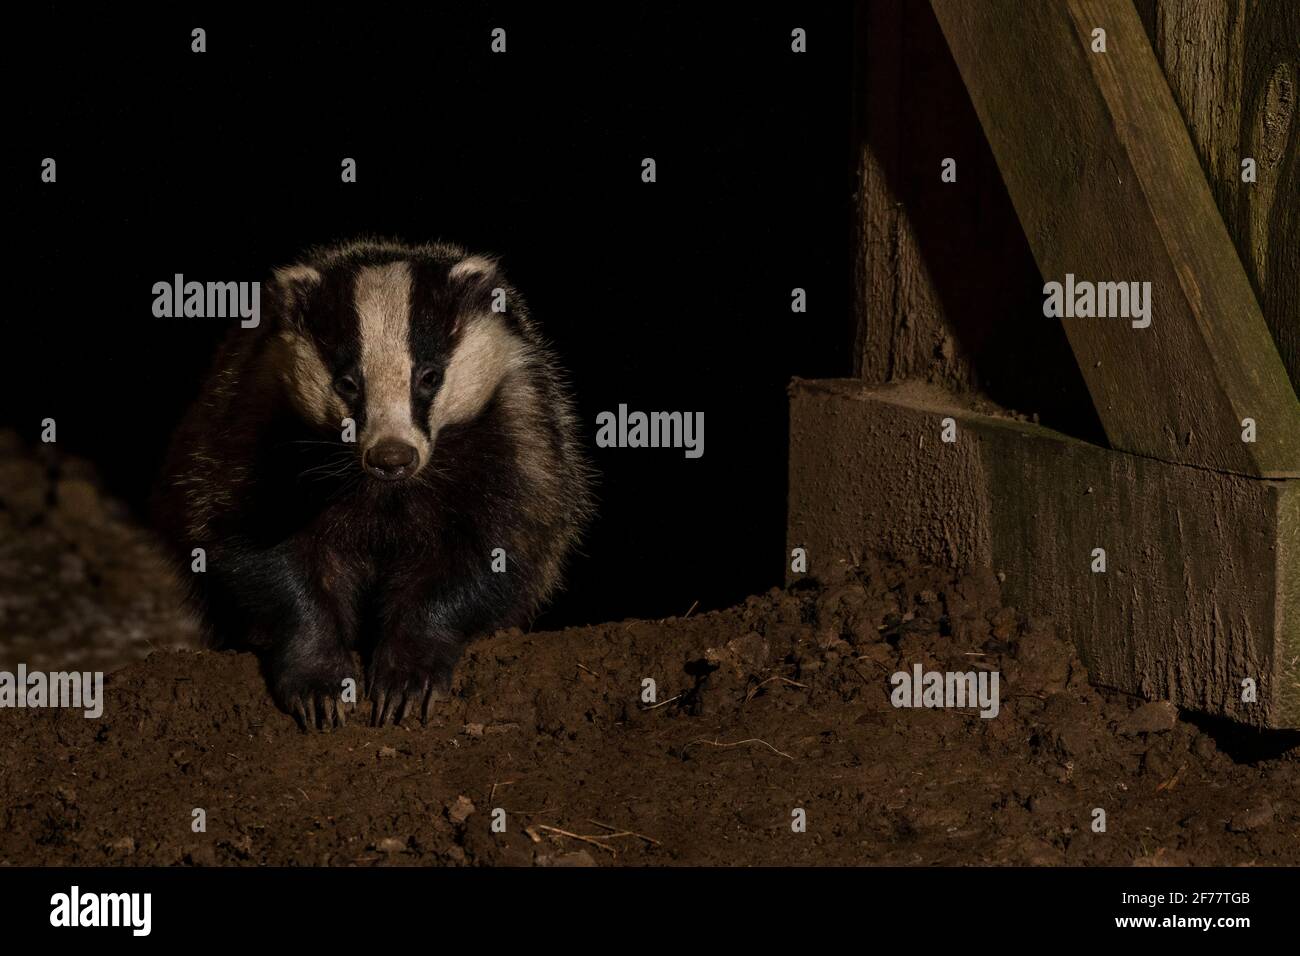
<point>396,694</point>
<point>320,711</point>
<point>316,703</point>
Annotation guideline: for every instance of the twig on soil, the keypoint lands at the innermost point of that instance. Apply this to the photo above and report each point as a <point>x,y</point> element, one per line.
<point>747,740</point>
<point>664,620</point>
<point>754,690</point>
<point>661,703</point>
<point>861,676</point>
<point>495,784</point>
<point>586,668</point>
<point>578,836</point>
<point>640,836</point>
<point>1172,781</point>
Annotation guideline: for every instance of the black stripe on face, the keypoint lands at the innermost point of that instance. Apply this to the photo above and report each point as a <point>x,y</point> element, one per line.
<point>329,318</point>
<point>434,310</point>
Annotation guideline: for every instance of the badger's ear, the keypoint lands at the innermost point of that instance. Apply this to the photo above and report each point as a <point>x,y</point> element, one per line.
<point>472,269</point>
<point>290,288</point>
<point>473,280</point>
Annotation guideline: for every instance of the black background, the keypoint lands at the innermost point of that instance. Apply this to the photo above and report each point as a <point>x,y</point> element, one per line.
<point>244,905</point>
<point>666,296</point>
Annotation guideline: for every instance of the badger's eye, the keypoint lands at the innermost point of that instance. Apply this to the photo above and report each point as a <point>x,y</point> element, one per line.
<point>427,378</point>
<point>347,386</point>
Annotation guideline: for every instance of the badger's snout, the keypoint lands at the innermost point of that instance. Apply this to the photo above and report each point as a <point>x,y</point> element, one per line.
<point>391,460</point>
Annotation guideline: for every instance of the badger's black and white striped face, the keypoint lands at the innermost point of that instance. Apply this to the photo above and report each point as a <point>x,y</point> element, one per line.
<point>404,348</point>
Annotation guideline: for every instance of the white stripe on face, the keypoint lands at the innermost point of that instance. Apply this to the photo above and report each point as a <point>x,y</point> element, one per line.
<point>383,303</point>
<point>307,380</point>
<point>486,354</point>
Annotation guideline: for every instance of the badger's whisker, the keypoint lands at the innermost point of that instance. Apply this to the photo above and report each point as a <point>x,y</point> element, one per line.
<point>323,472</point>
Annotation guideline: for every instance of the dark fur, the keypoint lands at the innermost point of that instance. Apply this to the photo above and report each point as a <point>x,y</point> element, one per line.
<point>308,558</point>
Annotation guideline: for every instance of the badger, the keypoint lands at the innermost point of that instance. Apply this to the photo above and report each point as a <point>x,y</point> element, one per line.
<point>387,466</point>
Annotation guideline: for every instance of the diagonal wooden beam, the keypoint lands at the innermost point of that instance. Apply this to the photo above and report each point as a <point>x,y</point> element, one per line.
<point>1233,69</point>
<point>1108,188</point>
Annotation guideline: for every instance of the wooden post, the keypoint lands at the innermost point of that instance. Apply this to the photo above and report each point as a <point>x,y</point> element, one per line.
<point>1234,71</point>
<point>946,288</point>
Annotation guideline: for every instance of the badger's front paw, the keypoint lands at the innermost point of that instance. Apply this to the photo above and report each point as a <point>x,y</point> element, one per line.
<point>313,691</point>
<point>398,687</point>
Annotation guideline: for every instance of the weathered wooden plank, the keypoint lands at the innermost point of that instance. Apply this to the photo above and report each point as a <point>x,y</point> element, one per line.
<point>1287,639</point>
<point>947,290</point>
<point>1233,67</point>
<point>1202,583</point>
<point>903,330</point>
<point>1108,187</point>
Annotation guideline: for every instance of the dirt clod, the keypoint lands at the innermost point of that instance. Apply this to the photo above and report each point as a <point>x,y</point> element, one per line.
<point>1154,717</point>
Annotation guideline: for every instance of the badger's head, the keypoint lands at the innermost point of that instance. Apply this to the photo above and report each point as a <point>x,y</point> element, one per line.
<point>404,341</point>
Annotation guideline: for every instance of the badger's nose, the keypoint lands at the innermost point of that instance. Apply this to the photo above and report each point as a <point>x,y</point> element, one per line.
<point>390,459</point>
